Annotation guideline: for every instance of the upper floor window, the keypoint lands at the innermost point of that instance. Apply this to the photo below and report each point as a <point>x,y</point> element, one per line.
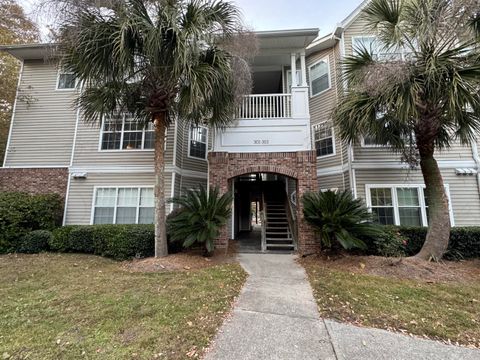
<point>125,133</point>
<point>323,137</point>
<point>319,77</point>
<point>197,142</point>
<point>66,81</point>
<point>123,205</point>
<point>375,48</point>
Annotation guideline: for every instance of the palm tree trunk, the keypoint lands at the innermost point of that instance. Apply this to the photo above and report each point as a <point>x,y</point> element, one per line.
<point>161,249</point>
<point>438,235</point>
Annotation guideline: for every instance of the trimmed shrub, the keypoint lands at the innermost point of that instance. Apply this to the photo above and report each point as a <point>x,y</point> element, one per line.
<point>21,213</point>
<point>464,242</point>
<point>130,242</point>
<point>81,240</point>
<point>35,242</point>
<point>391,243</point>
<point>60,239</point>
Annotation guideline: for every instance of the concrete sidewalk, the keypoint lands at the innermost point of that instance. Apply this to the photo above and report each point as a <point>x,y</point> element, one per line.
<point>276,317</point>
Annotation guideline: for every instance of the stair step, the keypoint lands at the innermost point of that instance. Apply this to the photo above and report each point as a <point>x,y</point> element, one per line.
<point>279,240</point>
<point>284,246</point>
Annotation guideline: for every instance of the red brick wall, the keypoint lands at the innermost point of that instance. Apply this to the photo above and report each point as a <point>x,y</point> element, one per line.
<point>223,167</point>
<point>34,181</point>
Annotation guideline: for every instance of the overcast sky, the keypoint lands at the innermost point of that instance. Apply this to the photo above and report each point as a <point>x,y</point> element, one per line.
<point>280,14</point>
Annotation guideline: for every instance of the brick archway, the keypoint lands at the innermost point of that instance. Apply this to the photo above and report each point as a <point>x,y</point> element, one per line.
<point>223,167</point>
<point>265,169</point>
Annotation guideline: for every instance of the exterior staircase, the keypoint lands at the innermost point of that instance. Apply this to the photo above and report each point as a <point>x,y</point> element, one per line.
<point>278,236</point>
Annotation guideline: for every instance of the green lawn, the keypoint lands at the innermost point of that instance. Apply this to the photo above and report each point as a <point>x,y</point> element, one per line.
<point>56,306</point>
<point>445,311</point>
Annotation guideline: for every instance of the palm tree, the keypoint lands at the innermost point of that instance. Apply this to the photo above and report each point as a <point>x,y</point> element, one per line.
<point>419,96</point>
<point>200,217</point>
<point>157,61</point>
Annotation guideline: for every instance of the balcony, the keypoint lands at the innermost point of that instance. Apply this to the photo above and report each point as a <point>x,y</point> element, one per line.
<point>275,118</point>
<point>265,106</point>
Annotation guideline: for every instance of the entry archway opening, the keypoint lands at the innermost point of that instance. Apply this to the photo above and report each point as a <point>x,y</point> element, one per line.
<point>264,212</point>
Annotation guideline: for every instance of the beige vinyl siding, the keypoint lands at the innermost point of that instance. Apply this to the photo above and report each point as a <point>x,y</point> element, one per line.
<point>88,153</point>
<point>44,120</point>
<point>464,192</point>
<point>336,181</point>
<point>322,105</point>
<point>80,198</point>
<point>188,183</point>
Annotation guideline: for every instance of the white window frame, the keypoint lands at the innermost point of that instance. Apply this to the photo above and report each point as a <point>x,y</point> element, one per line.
<point>421,194</point>
<point>314,126</point>
<point>117,188</point>
<point>122,132</point>
<point>371,146</point>
<point>377,54</point>
<point>326,60</point>
<point>190,142</point>
<point>61,72</point>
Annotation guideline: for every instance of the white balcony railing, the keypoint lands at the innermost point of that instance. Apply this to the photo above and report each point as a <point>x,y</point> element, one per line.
<point>265,106</point>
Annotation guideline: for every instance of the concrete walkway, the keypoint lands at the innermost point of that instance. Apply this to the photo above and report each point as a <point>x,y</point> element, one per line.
<point>276,317</point>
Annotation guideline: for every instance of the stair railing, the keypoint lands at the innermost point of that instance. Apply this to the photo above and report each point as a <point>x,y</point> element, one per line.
<point>292,220</point>
<point>263,219</point>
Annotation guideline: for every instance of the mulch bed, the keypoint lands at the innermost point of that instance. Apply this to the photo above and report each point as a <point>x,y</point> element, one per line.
<point>184,261</point>
<point>402,268</point>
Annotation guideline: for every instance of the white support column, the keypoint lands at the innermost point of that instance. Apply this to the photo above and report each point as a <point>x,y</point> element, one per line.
<point>303,68</point>
<point>294,69</point>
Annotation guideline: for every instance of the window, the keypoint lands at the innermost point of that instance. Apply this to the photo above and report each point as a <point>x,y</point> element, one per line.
<point>399,205</point>
<point>382,206</point>
<point>319,77</point>
<point>375,48</point>
<point>66,81</point>
<point>126,205</point>
<point>124,133</point>
<point>323,138</point>
<point>197,144</point>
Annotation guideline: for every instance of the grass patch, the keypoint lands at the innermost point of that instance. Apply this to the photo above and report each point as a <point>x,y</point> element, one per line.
<point>56,306</point>
<point>442,311</point>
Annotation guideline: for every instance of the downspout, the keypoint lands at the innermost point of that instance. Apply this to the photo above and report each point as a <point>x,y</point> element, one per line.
<point>476,158</point>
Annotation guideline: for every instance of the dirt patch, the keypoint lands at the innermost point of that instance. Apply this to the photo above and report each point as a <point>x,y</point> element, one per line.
<point>184,261</point>
<point>402,268</point>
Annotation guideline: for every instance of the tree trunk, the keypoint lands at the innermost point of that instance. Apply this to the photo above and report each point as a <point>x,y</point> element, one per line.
<point>438,235</point>
<point>161,248</point>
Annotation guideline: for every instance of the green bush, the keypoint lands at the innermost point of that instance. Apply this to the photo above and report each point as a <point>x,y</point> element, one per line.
<point>81,240</point>
<point>35,241</point>
<point>21,213</point>
<point>130,242</point>
<point>60,239</point>
<point>119,242</point>
<point>340,219</point>
<point>202,216</point>
<point>391,243</point>
<point>464,242</point>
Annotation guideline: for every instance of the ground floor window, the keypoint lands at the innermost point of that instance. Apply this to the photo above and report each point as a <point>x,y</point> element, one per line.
<point>123,205</point>
<point>404,205</point>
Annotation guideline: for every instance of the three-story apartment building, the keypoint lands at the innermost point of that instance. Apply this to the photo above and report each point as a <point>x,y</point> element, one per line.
<point>281,143</point>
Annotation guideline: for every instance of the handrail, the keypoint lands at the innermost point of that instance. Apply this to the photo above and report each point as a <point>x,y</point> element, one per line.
<point>292,220</point>
<point>263,219</point>
<point>265,106</point>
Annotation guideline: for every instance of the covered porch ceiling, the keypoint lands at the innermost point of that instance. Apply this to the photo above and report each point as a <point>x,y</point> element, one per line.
<point>275,47</point>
